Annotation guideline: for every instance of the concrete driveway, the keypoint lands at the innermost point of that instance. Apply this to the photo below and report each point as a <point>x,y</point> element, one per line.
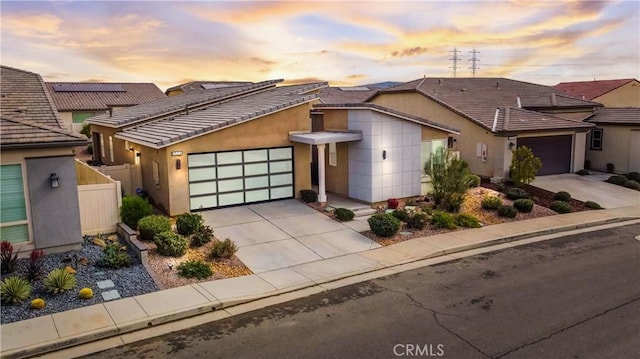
<point>282,234</point>
<point>590,188</point>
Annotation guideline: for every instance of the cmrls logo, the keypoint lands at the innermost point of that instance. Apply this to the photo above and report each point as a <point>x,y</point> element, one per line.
<point>417,350</point>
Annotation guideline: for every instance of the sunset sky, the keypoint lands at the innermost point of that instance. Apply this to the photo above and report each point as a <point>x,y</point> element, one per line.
<point>343,42</point>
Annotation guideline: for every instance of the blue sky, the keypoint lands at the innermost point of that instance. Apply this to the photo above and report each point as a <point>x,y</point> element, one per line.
<point>345,43</point>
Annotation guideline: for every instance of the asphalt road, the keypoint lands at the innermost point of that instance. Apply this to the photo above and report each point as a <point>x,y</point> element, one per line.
<point>572,297</point>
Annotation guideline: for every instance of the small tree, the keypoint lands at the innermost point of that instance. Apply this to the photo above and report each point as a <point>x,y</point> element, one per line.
<point>449,177</point>
<point>524,166</point>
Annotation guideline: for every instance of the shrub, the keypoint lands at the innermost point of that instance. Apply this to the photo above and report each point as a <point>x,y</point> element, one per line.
<point>8,259</point>
<point>467,220</point>
<point>59,280</point>
<point>523,205</point>
<point>85,293</point>
<point>223,249</point>
<point>443,220</point>
<point>188,223</point>
<point>171,244</point>
<point>562,196</point>
<point>202,236</point>
<point>610,167</point>
<point>560,207</point>
<point>617,180</point>
<point>524,166</point>
<point>418,221</point>
<point>194,269</point>
<point>473,181</point>
<point>516,193</point>
<point>401,215</point>
<point>38,303</point>
<point>151,225</point>
<point>383,224</point>
<point>392,203</point>
<point>308,196</point>
<point>592,205</point>
<point>449,179</point>
<point>34,269</point>
<point>14,289</point>
<point>133,209</point>
<point>634,176</point>
<point>587,164</point>
<point>632,184</point>
<point>344,214</point>
<point>86,130</point>
<point>582,172</point>
<point>113,257</point>
<point>411,202</point>
<point>427,208</point>
<point>507,211</point>
<point>491,202</point>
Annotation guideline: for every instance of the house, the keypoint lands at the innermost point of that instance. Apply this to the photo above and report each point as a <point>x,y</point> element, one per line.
<point>495,115</point>
<point>77,101</point>
<point>38,189</point>
<point>615,139</point>
<point>195,86</point>
<point>610,93</point>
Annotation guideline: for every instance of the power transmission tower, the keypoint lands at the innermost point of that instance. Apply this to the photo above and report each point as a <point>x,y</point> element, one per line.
<point>474,62</point>
<point>455,60</point>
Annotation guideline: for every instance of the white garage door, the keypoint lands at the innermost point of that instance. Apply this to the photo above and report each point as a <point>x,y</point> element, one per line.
<point>220,179</point>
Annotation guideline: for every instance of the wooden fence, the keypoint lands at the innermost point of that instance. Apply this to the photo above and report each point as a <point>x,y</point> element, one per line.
<point>129,175</point>
<point>100,198</point>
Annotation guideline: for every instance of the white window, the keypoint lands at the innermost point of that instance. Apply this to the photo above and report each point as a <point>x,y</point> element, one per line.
<point>333,155</point>
<point>596,139</point>
<point>111,148</point>
<point>102,145</point>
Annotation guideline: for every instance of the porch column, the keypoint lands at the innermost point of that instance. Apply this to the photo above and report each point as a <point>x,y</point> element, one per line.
<point>322,195</point>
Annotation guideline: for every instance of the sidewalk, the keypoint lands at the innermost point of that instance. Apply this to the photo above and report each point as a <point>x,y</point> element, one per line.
<point>74,327</point>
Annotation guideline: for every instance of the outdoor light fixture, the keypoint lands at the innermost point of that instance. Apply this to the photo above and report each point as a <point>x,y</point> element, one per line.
<point>512,145</point>
<point>54,180</point>
<point>384,154</point>
<point>178,164</point>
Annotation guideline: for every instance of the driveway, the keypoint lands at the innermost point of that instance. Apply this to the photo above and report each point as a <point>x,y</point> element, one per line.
<point>590,188</point>
<point>282,234</point>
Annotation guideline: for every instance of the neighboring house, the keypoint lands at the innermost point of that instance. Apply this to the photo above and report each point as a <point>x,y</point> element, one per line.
<point>610,93</point>
<point>195,86</point>
<point>616,139</point>
<point>77,101</point>
<point>38,187</point>
<point>495,115</point>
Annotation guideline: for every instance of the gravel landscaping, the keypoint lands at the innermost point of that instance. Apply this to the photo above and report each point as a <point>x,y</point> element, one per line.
<point>129,281</point>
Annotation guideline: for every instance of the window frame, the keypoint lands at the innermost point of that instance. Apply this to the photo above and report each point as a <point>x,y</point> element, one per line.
<point>21,222</point>
<point>592,141</point>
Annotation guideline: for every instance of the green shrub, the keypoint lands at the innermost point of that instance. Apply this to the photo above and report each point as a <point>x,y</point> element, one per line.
<point>188,223</point>
<point>133,209</point>
<point>86,130</point>
<point>202,236</point>
<point>14,289</point>
<point>448,178</point>
<point>516,193</point>
<point>634,176</point>
<point>524,166</point>
<point>223,249</point>
<point>617,180</point>
<point>151,225</point>
<point>344,214</point>
<point>171,244</point>
<point>562,196</point>
<point>560,207</point>
<point>491,202</point>
<point>473,181</point>
<point>523,205</point>
<point>401,215</point>
<point>632,184</point>
<point>8,259</point>
<point>592,205</point>
<point>443,220</point>
<point>194,269</point>
<point>113,257</point>
<point>308,196</point>
<point>582,172</point>
<point>418,221</point>
<point>467,220</point>
<point>59,280</point>
<point>507,211</point>
<point>427,208</point>
<point>411,202</point>
<point>384,225</point>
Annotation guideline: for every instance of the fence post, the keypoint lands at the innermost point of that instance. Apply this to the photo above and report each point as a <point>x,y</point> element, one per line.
<point>119,194</point>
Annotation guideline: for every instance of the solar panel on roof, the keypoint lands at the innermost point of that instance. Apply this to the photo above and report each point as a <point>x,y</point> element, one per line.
<point>88,87</point>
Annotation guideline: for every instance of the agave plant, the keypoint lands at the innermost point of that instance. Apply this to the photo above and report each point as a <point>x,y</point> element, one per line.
<point>59,280</point>
<point>14,289</point>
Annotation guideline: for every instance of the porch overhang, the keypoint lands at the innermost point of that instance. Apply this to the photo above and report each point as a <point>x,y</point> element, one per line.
<point>325,137</point>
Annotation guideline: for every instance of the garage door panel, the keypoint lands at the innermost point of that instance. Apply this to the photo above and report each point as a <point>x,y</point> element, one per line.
<point>257,196</point>
<point>202,188</point>
<point>282,192</point>
<point>256,182</point>
<point>256,169</point>
<point>204,202</point>
<point>229,199</point>
<point>553,151</point>
<point>204,173</point>
<point>230,171</point>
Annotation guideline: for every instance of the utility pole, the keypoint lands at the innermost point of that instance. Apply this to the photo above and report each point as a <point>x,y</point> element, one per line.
<point>455,60</point>
<point>474,62</point>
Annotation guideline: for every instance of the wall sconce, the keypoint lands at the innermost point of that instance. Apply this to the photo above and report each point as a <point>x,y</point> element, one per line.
<point>512,145</point>
<point>138,154</point>
<point>54,180</point>
<point>178,164</point>
<point>384,154</point>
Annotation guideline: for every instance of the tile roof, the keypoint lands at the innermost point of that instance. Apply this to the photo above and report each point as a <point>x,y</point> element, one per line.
<point>173,105</point>
<point>336,95</point>
<point>194,86</point>
<point>181,127</point>
<point>77,96</point>
<point>616,116</point>
<point>520,120</point>
<point>591,89</point>
<point>388,111</point>
<point>478,98</point>
<point>28,115</point>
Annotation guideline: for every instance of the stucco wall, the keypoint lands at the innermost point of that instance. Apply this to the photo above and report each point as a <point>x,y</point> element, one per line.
<point>337,178</point>
<point>624,96</point>
<point>121,155</point>
<point>616,148</point>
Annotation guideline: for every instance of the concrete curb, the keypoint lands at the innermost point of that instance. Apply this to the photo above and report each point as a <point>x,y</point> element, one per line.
<point>135,325</point>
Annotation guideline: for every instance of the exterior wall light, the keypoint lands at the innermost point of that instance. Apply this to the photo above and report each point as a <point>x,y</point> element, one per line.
<point>384,154</point>
<point>54,180</point>
<point>512,145</point>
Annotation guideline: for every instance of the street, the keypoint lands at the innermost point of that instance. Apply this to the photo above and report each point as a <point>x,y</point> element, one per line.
<point>572,297</point>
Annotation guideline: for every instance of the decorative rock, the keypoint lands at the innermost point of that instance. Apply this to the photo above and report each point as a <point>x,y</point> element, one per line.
<point>329,209</point>
<point>70,269</point>
<point>110,295</point>
<point>113,238</point>
<point>123,248</point>
<point>85,293</point>
<point>410,208</point>
<point>405,233</point>
<point>99,242</point>
<point>104,284</point>
<point>83,261</point>
<point>38,303</point>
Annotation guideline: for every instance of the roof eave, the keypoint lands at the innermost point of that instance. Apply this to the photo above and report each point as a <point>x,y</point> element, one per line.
<point>56,144</point>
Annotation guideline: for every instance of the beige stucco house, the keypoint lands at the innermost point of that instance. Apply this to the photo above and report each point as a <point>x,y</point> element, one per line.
<point>610,93</point>
<point>615,139</point>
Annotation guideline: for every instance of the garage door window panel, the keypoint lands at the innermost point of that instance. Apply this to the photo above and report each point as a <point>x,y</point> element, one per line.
<point>256,169</point>
<point>229,171</point>
<point>256,182</point>
<point>257,196</point>
<point>280,166</point>
<point>231,199</point>
<point>280,154</point>
<point>225,158</point>
<point>204,202</point>
<point>204,173</point>
<point>231,185</point>
<point>200,188</point>
<point>206,159</point>
<point>256,156</point>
